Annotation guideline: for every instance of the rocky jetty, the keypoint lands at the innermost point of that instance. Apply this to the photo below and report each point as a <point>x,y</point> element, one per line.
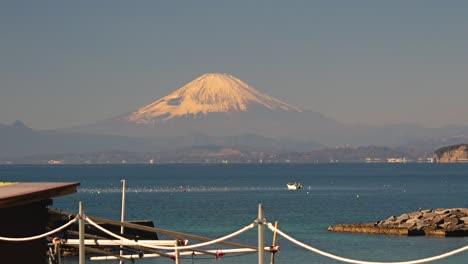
<point>437,222</point>
<point>454,153</point>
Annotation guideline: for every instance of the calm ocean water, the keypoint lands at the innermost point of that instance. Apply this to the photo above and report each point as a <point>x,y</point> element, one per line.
<point>214,200</point>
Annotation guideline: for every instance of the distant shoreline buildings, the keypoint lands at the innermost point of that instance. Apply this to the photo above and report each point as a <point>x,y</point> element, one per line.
<point>449,154</point>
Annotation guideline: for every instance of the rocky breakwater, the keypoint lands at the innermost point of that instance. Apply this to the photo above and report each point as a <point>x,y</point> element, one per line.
<point>438,222</point>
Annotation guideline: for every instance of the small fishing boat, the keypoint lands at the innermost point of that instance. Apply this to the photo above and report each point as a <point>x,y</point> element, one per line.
<point>294,185</point>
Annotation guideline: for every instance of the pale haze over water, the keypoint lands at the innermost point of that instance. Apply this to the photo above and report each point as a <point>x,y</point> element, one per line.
<point>72,63</point>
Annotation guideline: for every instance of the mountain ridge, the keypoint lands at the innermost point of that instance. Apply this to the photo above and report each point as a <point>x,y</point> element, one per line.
<point>22,144</point>
<point>19,140</point>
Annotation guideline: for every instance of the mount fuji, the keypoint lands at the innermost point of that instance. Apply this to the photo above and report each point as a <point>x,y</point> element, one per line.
<point>209,93</point>
<point>219,105</point>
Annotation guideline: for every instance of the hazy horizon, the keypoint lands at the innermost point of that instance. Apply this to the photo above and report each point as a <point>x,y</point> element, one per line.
<point>72,63</point>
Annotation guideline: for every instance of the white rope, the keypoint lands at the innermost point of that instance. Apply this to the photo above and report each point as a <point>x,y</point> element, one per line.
<point>448,254</point>
<point>135,243</point>
<point>21,239</point>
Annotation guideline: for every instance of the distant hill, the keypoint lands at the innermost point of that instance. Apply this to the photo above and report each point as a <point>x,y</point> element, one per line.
<point>453,153</point>
<point>438,142</point>
<point>18,140</point>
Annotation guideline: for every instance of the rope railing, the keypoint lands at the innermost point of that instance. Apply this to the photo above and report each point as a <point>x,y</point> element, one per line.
<point>204,244</point>
<point>21,239</point>
<point>347,260</point>
<point>260,221</point>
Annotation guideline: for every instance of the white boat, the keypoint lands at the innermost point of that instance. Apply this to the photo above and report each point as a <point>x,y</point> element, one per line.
<point>294,185</point>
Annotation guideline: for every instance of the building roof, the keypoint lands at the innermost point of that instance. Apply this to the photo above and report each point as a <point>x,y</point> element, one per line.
<point>19,193</point>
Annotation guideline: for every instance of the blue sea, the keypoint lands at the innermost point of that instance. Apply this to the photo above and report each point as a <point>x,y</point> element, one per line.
<point>215,200</point>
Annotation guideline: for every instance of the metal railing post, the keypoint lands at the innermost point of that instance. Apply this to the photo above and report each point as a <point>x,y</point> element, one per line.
<point>122,217</point>
<point>59,253</point>
<point>261,235</point>
<point>81,234</point>
<point>176,253</point>
<point>275,237</point>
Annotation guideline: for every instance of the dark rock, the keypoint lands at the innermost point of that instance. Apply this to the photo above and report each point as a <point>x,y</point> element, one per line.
<point>430,215</point>
<point>402,218</point>
<point>436,221</point>
<point>457,214</point>
<point>445,225</point>
<point>418,224</point>
<point>416,215</point>
<point>463,210</point>
<point>451,220</point>
<point>441,211</point>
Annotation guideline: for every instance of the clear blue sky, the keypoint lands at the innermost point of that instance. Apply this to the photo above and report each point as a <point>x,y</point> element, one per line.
<point>66,63</point>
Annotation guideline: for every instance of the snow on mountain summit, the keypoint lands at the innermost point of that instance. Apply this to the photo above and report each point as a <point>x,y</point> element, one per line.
<point>209,93</point>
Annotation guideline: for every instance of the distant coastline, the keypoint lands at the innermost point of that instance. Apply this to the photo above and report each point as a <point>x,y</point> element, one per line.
<point>220,155</point>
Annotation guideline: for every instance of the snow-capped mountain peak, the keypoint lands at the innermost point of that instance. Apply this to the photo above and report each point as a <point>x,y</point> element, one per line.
<point>209,93</point>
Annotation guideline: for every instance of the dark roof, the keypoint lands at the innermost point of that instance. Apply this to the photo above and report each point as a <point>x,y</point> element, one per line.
<point>18,193</point>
